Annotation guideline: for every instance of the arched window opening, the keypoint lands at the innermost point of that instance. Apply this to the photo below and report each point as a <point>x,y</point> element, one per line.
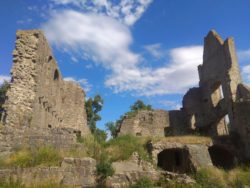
<point>56,75</point>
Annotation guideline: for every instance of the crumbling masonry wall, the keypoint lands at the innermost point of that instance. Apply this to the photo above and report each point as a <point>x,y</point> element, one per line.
<point>38,96</point>
<point>210,106</point>
<point>154,123</point>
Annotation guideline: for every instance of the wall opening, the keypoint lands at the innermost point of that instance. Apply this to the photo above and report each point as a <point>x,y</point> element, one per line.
<point>223,126</point>
<point>174,160</point>
<point>221,157</point>
<point>50,58</point>
<point>49,126</point>
<point>217,94</point>
<point>56,75</point>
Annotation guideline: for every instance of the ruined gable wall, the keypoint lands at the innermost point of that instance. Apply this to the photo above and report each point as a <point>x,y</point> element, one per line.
<point>38,97</point>
<point>155,123</point>
<point>219,77</point>
<point>146,123</point>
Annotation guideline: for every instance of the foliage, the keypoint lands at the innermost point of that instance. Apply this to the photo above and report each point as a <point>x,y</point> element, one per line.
<point>112,128</point>
<point>139,105</point>
<point>44,156</point>
<point>11,183</point>
<point>122,147</point>
<point>93,106</point>
<point>104,167</point>
<point>100,136</point>
<point>3,89</point>
<point>143,182</point>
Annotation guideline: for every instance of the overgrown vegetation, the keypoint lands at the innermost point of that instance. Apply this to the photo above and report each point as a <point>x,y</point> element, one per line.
<point>113,127</point>
<point>43,156</point>
<point>143,182</point>
<point>11,183</point>
<point>3,89</point>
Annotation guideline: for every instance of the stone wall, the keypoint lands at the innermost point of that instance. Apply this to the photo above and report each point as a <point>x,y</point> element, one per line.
<point>38,96</point>
<point>178,157</point>
<point>73,172</point>
<point>210,107</point>
<point>154,123</point>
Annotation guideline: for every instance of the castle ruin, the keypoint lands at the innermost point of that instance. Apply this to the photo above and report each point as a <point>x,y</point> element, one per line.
<point>218,107</point>
<point>39,101</point>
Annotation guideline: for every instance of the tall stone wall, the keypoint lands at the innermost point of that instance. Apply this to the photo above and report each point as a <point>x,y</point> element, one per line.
<point>38,96</point>
<point>210,107</point>
<point>154,123</point>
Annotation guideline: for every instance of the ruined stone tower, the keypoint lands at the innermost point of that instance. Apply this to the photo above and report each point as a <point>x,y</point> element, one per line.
<point>38,96</point>
<point>210,106</point>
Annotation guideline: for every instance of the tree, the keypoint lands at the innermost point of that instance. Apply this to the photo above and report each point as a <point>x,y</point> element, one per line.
<point>100,135</point>
<point>139,105</point>
<point>93,106</point>
<point>3,89</point>
<point>112,128</point>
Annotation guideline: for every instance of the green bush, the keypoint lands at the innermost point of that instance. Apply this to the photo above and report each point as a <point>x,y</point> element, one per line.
<point>122,147</point>
<point>10,183</point>
<point>45,156</point>
<point>143,182</point>
<point>104,169</point>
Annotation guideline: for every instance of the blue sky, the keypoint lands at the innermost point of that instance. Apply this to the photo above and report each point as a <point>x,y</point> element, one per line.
<point>129,49</point>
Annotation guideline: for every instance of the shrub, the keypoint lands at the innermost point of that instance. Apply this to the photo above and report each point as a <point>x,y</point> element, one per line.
<point>24,157</point>
<point>10,183</point>
<point>122,147</point>
<point>211,177</point>
<point>143,182</point>
<point>104,168</point>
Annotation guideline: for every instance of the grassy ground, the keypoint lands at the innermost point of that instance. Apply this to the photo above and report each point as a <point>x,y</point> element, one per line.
<point>121,148</point>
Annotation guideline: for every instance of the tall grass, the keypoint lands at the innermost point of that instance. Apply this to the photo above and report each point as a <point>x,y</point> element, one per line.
<point>43,156</point>
<point>122,147</point>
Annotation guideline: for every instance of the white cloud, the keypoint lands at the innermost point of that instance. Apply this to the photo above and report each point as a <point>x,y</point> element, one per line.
<point>102,38</point>
<point>171,104</point>
<point>176,77</point>
<point>4,78</point>
<point>246,74</point>
<point>126,11</point>
<point>155,50</point>
<point>244,55</point>
<point>83,82</point>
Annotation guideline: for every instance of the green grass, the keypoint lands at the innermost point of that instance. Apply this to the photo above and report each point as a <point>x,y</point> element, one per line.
<point>122,147</point>
<point>43,156</point>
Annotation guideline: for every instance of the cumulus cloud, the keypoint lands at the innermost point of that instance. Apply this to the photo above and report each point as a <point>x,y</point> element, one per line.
<point>125,11</point>
<point>155,50</point>
<point>4,78</point>
<point>176,77</point>
<point>99,35</point>
<point>83,82</point>
<point>173,105</point>
<point>244,55</point>
<point>103,39</point>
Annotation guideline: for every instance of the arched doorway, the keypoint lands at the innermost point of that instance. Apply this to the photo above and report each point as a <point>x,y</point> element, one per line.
<point>174,160</point>
<point>221,157</point>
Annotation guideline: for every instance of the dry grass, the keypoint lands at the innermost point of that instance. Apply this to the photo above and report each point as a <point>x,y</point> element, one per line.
<point>189,139</point>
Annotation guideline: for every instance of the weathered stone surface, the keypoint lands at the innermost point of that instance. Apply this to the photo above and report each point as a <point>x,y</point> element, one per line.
<point>38,95</point>
<point>178,157</point>
<point>41,108</point>
<point>128,172</point>
<point>154,123</point>
<point>74,172</point>
<point>210,107</point>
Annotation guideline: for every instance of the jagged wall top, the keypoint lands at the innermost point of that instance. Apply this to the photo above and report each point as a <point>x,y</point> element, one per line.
<point>38,95</point>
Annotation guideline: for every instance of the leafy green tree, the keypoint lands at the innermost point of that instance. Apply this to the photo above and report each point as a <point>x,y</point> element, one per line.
<point>139,105</point>
<point>112,128</point>
<point>3,89</point>
<point>93,106</point>
<point>100,135</point>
